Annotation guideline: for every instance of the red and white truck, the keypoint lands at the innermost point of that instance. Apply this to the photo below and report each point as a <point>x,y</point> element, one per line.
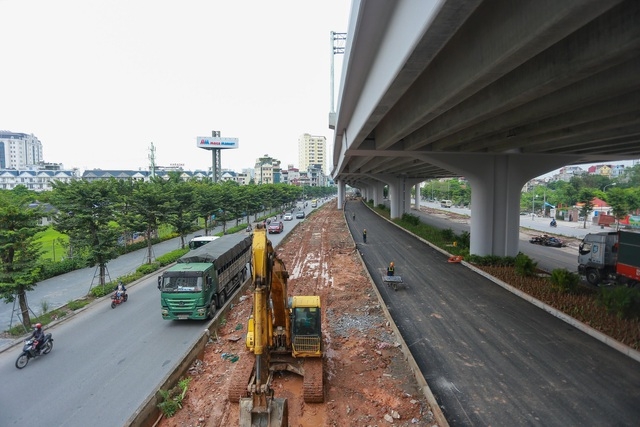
<point>610,257</point>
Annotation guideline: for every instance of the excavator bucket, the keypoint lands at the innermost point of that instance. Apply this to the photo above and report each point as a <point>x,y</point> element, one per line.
<point>275,415</point>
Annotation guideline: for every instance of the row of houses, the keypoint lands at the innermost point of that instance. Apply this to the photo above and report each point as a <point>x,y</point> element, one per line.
<point>42,179</point>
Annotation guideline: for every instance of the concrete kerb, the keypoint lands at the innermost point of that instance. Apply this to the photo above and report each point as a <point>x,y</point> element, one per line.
<point>616,345</point>
<point>422,382</point>
<point>148,414</point>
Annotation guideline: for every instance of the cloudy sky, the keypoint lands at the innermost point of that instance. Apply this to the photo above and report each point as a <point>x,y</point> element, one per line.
<point>99,81</point>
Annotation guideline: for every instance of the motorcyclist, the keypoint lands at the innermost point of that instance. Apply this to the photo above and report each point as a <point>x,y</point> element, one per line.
<point>38,336</point>
<point>121,290</point>
<point>553,222</point>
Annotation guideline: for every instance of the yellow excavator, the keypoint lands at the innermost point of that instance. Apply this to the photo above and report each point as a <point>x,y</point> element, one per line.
<point>284,334</point>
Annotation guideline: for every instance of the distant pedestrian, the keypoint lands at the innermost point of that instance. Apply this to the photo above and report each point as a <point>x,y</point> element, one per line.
<point>364,235</point>
<point>354,216</point>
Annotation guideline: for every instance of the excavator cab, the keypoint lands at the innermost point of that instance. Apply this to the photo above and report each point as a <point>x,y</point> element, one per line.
<point>307,326</point>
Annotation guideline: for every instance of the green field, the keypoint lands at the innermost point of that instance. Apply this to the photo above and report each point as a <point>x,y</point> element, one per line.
<point>54,244</point>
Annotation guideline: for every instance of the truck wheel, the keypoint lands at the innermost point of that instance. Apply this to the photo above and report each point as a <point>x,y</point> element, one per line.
<point>593,277</point>
<point>212,310</point>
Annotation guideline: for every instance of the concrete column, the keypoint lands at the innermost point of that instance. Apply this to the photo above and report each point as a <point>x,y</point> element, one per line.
<point>416,202</point>
<point>396,196</point>
<point>341,193</point>
<point>496,183</point>
<point>378,193</point>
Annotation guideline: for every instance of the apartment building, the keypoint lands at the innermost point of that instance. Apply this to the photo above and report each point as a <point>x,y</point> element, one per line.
<point>312,150</point>
<point>19,150</point>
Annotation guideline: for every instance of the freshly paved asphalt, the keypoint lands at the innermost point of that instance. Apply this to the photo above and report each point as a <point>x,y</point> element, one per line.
<point>489,357</point>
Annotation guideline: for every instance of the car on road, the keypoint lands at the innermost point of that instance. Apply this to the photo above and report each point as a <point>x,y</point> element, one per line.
<point>275,227</point>
<point>288,216</point>
<point>300,215</point>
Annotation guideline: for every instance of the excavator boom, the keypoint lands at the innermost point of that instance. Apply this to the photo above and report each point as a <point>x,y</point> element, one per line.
<point>283,334</point>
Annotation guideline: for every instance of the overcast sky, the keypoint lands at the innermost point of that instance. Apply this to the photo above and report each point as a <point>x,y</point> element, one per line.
<point>98,81</point>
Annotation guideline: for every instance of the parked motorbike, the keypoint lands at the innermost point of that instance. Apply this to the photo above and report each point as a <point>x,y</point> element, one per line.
<point>29,350</point>
<point>117,299</point>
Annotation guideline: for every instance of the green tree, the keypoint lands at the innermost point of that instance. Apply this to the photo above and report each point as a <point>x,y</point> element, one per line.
<point>585,197</point>
<point>633,176</point>
<point>618,199</point>
<point>87,214</point>
<point>19,253</point>
<point>207,203</point>
<point>181,213</point>
<point>150,205</point>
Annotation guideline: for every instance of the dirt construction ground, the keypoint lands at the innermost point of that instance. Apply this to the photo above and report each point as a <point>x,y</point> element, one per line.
<point>367,380</point>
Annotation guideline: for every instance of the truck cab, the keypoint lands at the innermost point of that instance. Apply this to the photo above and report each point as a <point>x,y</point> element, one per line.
<point>610,257</point>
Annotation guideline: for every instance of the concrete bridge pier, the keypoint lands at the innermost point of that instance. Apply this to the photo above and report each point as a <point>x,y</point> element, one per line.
<point>496,183</point>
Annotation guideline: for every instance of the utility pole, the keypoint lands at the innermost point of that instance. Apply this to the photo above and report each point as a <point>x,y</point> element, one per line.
<point>152,160</point>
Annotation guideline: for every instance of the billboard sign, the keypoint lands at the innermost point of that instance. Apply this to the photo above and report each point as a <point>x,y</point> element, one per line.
<point>211,142</point>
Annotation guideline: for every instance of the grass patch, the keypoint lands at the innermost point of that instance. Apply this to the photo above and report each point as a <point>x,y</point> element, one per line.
<point>54,244</point>
<point>45,319</point>
<point>78,304</point>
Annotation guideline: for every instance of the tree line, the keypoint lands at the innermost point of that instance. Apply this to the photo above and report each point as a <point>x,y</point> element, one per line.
<point>98,215</point>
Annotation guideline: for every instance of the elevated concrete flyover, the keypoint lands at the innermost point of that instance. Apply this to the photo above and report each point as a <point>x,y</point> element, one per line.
<point>497,91</point>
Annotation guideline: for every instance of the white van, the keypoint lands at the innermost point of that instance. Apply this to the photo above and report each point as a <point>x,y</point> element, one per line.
<point>198,241</point>
<point>446,203</point>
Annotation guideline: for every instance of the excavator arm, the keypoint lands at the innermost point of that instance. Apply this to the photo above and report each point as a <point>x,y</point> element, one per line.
<point>275,343</point>
<point>269,328</point>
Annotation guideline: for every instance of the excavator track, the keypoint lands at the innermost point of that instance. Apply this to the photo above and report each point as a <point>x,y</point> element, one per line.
<point>313,383</point>
<point>240,379</point>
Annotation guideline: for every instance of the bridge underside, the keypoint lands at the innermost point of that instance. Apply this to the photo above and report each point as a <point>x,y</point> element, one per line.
<point>496,91</point>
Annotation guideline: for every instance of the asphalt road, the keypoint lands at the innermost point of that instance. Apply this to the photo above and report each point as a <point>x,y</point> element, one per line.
<point>548,258</point>
<point>105,361</point>
<point>489,357</point>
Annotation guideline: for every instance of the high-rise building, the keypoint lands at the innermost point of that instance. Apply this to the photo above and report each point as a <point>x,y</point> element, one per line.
<point>19,150</point>
<point>312,150</point>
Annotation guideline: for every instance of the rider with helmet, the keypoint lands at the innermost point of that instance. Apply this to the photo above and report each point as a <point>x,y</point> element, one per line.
<point>38,336</point>
<point>121,290</point>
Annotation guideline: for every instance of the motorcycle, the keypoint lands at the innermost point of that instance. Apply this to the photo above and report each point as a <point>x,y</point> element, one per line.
<point>553,223</point>
<point>29,350</point>
<point>117,299</point>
